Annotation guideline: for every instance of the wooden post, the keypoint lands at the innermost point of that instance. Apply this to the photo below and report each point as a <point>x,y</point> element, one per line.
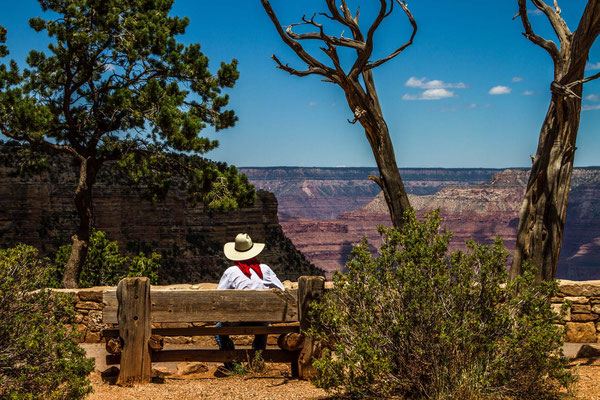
<point>133,295</point>
<point>310,288</point>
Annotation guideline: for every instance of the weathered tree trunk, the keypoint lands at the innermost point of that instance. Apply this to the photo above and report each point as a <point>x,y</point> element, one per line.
<point>88,170</point>
<point>544,208</point>
<point>368,112</point>
<point>361,96</point>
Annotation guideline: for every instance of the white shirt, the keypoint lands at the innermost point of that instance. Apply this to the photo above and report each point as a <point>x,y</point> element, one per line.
<point>234,278</point>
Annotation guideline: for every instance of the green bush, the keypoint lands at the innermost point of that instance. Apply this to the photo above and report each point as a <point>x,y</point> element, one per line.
<point>417,322</point>
<point>105,266</point>
<point>39,358</point>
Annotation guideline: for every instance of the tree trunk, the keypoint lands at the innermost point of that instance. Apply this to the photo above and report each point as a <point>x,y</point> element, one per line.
<point>367,111</point>
<point>544,208</point>
<point>88,171</point>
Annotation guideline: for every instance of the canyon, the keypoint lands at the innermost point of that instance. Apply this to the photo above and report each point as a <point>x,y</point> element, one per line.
<point>309,217</point>
<point>38,210</point>
<point>325,211</point>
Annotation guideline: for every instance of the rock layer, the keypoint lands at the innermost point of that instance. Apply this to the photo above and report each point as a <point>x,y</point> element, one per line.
<point>39,211</point>
<point>470,210</point>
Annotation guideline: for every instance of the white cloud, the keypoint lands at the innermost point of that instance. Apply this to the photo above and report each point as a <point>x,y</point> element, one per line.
<point>312,103</point>
<point>472,106</point>
<point>109,67</point>
<point>534,11</point>
<point>528,93</point>
<point>517,79</point>
<point>430,94</point>
<point>592,66</point>
<point>588,107</point>
<point>423,83</point>
<point>500,90</point>
<point>592,97</point>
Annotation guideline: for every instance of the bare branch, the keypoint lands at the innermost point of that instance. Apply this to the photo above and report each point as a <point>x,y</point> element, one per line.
<point>405,45</point>
<point>548,45</point>
<point>558,24</point>
<point>345,19</point>
<point>312,62</point>
<point>341,41</point>
<point>363,56</point>
<point>582,81</point>
<point>377,180</point>
<point>292,71</point>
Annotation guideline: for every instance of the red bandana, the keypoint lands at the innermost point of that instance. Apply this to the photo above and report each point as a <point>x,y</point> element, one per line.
<point>246,265</point>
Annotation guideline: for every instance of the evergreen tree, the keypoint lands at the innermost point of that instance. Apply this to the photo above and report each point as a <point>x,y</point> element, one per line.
<point>117,91</point>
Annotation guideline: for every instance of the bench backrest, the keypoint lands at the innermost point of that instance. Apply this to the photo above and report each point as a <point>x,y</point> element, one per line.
<point>271,305</point>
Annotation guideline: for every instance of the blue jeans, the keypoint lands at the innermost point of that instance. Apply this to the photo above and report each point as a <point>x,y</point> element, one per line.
<point>225,342</point>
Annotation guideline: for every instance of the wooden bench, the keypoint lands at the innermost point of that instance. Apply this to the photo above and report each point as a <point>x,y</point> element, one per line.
<point>134,307</point>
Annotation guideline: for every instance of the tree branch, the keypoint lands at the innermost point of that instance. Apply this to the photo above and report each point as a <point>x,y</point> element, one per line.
<point>582,81</point>
<point>405,45</point>
<point>558,24</point>
<point>313,63</point>
<point>341,41</point>
<point>548,45</point>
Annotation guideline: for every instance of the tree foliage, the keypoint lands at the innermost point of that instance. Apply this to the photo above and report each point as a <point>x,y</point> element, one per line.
<point>117,88</point>
<point>105,266</point>
<point>39,358</point>
<point>418,322</point>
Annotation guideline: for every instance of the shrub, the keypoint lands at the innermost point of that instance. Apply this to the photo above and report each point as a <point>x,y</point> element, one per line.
<point>105,266</point>
<point>419,323</point>
<point>39,358</point>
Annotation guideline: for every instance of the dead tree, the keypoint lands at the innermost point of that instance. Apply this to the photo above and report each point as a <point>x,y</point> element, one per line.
<point>360,94</point>
<point>544,208</point>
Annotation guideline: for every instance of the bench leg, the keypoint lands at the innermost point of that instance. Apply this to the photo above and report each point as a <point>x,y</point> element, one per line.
<point>295,372</point>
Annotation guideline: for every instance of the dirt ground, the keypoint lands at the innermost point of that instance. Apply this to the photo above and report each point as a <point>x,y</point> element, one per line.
<point>275,383</point>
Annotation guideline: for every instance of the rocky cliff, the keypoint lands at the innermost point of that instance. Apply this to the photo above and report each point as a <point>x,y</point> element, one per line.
<point>324,193</point>
<point>470,209</point>
<point>38,211</point>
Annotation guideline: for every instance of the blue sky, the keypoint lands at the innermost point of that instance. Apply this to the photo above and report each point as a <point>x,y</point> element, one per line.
<point>436,96</point>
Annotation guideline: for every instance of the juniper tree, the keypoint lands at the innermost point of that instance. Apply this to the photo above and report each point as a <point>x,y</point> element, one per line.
<point>356,81</point>
<point>117,91</point>
<point>544,208</point>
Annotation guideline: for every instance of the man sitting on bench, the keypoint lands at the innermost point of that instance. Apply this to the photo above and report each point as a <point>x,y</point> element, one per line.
<point>247,273</point>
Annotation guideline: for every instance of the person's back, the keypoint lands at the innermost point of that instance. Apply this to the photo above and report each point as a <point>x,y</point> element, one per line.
<point>234,278</point>
<point>247,273</point>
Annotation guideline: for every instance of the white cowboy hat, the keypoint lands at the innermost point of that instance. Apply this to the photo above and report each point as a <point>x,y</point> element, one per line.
<point>243,248</point>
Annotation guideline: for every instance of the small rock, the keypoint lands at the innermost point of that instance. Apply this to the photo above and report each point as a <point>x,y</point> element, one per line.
<point>191,368</point>
<point>88,305</point>
<point>161,372</point>
<point>90,295</point>
<point>110,372</point>
<point>588,350</point>
<point>577,299</point>
<point>581,308</point>
<point>583,317</point>
<point>581,332</point>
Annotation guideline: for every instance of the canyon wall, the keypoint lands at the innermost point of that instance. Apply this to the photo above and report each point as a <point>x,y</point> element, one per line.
<point>39,211</point>
<point>477,204</point>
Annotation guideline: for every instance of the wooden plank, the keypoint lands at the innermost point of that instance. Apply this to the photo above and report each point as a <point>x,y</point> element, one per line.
<point>206,355</point>
<point>211,330</point>
<point>271,305</point>
<point>135,329</point>
<point>310,289</point>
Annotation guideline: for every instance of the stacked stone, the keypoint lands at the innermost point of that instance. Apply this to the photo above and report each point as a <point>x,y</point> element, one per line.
<point>583,316</point>
<point>88,313</point>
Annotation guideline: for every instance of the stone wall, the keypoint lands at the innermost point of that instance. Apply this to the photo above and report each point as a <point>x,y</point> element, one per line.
<point>582,320</point>
<point>583,316</point>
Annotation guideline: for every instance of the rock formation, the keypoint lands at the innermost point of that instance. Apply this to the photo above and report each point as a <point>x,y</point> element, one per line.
<point>470,207</point>
<point>38,211</point>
